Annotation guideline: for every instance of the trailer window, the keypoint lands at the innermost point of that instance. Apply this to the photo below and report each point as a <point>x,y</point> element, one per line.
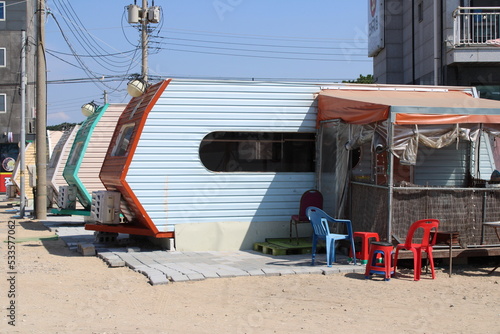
<point>258,152</point>
<point>121,146</point>
<point>76,151</point>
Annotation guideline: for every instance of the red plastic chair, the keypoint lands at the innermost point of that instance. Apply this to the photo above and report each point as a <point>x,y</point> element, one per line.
<point>311,197</point>
<point>425,245</point>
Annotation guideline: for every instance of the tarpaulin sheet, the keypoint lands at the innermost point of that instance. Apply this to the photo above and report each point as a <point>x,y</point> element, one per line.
<point>406,107</point>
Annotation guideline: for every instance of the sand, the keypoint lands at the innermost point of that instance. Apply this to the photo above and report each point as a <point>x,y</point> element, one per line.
<point>59,291</point>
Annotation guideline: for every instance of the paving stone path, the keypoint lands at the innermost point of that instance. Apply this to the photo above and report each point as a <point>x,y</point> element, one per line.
<point>162,267</point>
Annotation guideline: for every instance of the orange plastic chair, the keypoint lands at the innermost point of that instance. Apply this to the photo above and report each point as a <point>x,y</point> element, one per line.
<point>311,197</point>
<point>425,245</point>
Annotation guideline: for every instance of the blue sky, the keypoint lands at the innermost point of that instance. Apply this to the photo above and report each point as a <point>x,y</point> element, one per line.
<point>320,40</point>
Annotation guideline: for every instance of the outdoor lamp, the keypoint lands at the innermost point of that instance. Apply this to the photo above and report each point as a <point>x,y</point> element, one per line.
<point>136,87</point>
<point>89,108</point>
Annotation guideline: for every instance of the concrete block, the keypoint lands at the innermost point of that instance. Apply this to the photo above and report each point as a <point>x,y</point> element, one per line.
<point>255,272</point>
<point>331,270</point>
<point>105,237</point>
<point>286,271</point>
<point>347,269</point>
<point>271,271</point>
<point>86,249</point>
<point>157,279</point>
<point>115,263</point>
<point>195,277</point>
<point>178,278</point>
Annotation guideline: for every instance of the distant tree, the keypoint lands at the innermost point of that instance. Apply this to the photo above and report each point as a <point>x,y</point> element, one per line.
<point>62,126</point>
<point>368,79</point>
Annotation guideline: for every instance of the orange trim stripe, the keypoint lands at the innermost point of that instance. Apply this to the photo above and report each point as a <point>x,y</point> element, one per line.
<point>144,216</point>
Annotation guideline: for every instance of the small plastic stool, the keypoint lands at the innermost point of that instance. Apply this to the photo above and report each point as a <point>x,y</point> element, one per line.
<point>362,254</point>
<point>381,260</point>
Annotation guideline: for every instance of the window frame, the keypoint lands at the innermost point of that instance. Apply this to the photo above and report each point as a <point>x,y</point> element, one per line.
<point>75,154</point>
<point>4,58</point>
<point>118,149</point>
<point>420,11</point>
<point>258,152</point>
<point>2,11</point>
<point>4,97</point>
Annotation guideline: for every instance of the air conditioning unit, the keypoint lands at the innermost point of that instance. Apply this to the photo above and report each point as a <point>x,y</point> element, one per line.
<point>11,191</point>
<point>105,207</point>
<point>67,197</point>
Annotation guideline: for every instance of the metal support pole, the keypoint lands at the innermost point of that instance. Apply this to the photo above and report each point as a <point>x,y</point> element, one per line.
<point>22,140</point>
<point>390,176</point>
<point>41,118</point>
<point>437,42</point>
<point>144,40</point>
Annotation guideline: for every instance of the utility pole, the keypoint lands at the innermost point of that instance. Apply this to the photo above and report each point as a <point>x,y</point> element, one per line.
<point>144,40</point>
<point>22,146</point>
<point>41,118</point>
<point>144,15</point>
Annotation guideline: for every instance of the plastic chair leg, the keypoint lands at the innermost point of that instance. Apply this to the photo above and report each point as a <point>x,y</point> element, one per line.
<point>330,251</point>
<point>296,233</point>
<point>431,260</point>
<point>396,254</point>
<point>353,253</point>
<point>417,264</point>
<point>313,251</point>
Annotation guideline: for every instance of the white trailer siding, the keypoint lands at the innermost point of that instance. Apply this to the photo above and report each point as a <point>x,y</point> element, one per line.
<point>173,185</point>
<point>58,161</point>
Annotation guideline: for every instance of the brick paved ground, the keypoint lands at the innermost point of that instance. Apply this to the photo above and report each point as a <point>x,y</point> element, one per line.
<point>162,267</point>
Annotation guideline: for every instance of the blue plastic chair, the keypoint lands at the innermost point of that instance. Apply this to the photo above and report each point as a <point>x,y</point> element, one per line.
<point>321,231</point>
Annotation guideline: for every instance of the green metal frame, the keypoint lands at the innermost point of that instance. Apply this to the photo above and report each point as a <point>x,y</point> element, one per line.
<point>75,158</point>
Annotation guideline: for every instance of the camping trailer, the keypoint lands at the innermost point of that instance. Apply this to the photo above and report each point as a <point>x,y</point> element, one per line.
<point>57,162</point>
<point>217,164</point>
<point>29,173</point>
<point>85,159</point>
<point>53,138</point>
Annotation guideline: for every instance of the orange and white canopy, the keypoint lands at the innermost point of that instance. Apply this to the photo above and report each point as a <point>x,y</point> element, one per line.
<point>357,106</point>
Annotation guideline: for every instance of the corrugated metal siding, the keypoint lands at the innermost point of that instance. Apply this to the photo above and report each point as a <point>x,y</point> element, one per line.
<point>93,137</point>
<point>57,178</point>
<point>486,160</point>
<point>172,184</point>
<point>55,161</point>
<point>98,144</point>
<point>447,166</point>
<point>114,168</point>
<point>53,138</point>
<point>29,160</point>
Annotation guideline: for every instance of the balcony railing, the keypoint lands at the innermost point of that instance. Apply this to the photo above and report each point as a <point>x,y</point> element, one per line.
<point>476,26</point>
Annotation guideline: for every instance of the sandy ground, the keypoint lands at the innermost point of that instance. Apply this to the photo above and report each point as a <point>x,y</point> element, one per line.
<point>59,291</point>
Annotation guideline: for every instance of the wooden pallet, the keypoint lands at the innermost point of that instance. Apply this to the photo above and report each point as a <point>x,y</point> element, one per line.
<point>268,248</point>
<point>284,246</point>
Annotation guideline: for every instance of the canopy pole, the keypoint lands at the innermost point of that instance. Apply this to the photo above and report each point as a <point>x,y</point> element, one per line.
<point>390,176</point>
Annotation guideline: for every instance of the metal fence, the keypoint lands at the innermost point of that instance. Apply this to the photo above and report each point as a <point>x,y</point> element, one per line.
<point>476,26</point>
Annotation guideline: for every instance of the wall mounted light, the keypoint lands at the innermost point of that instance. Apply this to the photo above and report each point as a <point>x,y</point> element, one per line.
<point>136,87</point>
<point>89,109</point>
